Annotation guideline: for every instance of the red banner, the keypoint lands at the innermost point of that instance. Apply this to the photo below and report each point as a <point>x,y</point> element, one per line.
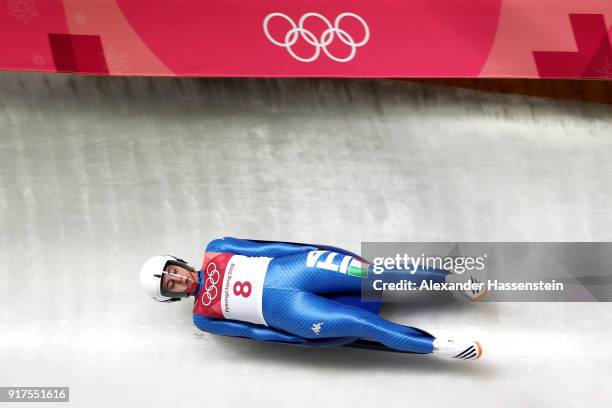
<point>348,38</point>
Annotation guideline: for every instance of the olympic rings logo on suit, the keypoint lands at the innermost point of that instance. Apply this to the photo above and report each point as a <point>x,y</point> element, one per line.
<point>210,288</point>
<point>332,32</point>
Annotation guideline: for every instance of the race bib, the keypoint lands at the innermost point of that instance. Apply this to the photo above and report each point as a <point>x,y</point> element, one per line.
<point>233,288</point>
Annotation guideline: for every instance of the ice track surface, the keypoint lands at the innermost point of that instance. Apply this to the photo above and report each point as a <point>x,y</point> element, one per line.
<point>97,174</point>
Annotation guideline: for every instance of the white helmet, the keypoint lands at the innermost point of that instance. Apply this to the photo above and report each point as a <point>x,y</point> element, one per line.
<point>151,276</point>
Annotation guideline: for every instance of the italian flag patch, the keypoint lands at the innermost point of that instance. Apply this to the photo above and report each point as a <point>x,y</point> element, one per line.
<point>358,268</point>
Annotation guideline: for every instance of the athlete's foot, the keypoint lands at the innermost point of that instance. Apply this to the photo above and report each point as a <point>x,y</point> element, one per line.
<point>460,350</point>
<point>471,287</point>
<point>477,291</point>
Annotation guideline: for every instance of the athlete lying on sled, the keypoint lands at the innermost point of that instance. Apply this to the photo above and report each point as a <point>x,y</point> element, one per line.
<point>290,293</point>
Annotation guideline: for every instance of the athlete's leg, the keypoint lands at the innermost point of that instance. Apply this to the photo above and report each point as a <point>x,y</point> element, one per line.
<point>312,316</point>
<point>356,300</point>
<point>291,303</point>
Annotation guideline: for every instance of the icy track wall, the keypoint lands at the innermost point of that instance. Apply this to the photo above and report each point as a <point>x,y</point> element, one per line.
<point>99,173</point>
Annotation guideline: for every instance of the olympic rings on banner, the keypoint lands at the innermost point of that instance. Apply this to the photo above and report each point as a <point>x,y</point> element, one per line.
<point>332,32</point>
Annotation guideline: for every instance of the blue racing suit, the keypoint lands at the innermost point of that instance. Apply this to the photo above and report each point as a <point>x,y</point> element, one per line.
<point>297,293</point>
